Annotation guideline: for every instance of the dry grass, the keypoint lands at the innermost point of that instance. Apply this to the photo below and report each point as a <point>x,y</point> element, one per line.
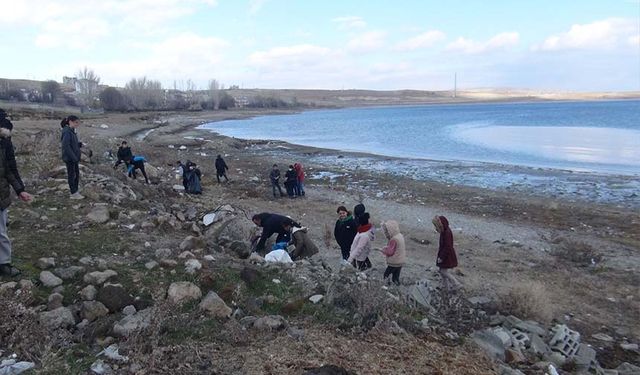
<point>328,236</point>
<point>579,253</point>
<point>528,300</point>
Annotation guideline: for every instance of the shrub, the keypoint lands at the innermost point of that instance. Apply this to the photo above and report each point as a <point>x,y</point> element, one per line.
<point>528,300</point>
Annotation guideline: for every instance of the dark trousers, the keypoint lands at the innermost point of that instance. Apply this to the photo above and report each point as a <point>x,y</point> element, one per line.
<point>290,189</point>
<point>141,168</point>
<point>274,185</point>
<point>346,250</point>
<point>73,176</point>
<point>221,174</point>
<point>364,265</point>
<point>394,272</point>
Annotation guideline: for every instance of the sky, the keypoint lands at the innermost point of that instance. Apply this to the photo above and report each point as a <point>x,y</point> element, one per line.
<point>572,45</point>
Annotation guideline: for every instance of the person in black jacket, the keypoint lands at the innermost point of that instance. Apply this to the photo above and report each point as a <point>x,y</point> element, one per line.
<point>273,223</point>
<point>9,177</point>
<point>274,176</point>
<point>71,153</point>
<point>345,231</point>
<point>124,155</point>
<point>291,181</point>
<point>221,169</point>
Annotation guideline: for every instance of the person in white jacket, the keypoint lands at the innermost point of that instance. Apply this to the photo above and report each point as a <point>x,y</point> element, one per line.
<point>361,246</point>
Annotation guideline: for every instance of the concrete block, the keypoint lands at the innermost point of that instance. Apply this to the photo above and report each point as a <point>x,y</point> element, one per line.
<point>519,339</point>
<point>564,340</point>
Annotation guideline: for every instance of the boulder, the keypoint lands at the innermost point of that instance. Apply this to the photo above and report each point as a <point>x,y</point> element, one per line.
<point>99,277</point>
<point>114,297</point>
<point>215,306</point>
<point>490,343</point>
<point>241,249</point>
<point>46,263</point>
<point>99,214</point>
<point>183,291</point>
<point>61,317</point>
<point>49,280</point>
<point>132,323</point>
<point>192,266</point>
<point>69,272</point>
<point>129,310</point>
<point>54,301</point>
<point>270,323</point>
<point>627,368</point>
<point>192,242</point>
<point>92,310</point>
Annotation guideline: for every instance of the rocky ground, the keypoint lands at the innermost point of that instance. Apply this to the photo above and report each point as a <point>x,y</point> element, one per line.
<point>130,280</point>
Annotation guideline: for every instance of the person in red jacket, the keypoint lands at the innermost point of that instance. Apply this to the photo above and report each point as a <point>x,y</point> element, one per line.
<point>300,174</point>
<point>447,258</point>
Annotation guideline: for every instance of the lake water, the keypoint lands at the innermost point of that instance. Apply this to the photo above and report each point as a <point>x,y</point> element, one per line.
<point>598,136</point>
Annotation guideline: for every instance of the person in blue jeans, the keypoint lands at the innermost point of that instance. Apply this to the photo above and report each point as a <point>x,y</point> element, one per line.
<point>274,176</point>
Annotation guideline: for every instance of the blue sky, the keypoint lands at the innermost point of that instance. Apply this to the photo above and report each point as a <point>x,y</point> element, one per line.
<point>578,45</point>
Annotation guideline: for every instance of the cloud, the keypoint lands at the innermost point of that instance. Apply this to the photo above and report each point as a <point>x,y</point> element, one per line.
<point>256,5</point>
<point>75,34</point>
<point>367,42</point>
<point>301,55</point>
<point>603,34</point>
<point>349,22</point>
<point>426,39</point>
<point>499,41</point>
<point>634,41</point>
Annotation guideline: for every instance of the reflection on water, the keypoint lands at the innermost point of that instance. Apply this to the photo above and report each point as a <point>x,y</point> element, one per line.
<point>581,144</point>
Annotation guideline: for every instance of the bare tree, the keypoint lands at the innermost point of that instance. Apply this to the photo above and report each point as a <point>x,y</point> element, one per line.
<point>144,92</point>
<point>87,82</point>
<point>214,92</point>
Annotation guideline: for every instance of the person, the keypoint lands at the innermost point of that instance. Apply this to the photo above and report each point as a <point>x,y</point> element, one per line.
<point>9,178</point>
<point>191,178</point>
<point>395,250</point>
<point>291,181</point>
<point>303,246</point>
<point>446,259</point>
<point>71,153</point>
<point>124,155</point>
<point>221,169</point>
<point>361,246</point>
<point>273,223</point>
<point>358,210</point>
<point>345,231</point>
<point>137,162</point>
<point>274,176</point>
<point>300,173</point>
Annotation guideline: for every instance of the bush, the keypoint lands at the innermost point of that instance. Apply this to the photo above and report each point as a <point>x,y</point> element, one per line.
<point>113,100</point>
<point>579,253</point>
<point>528,300</point>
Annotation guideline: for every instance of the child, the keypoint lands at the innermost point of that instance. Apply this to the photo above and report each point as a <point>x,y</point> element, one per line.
<point>361,246</point>
<point>446,254</point>
<point>394,251</point>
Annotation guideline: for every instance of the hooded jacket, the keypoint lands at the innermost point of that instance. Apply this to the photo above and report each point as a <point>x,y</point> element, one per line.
<point>70,145</point>
<point>305,248</point>
<point>273,223</point>
<point>345,231</point>
<point>395,251</point>
<point>446,253</point>
<point>361,246</point>
<point>7,179</point>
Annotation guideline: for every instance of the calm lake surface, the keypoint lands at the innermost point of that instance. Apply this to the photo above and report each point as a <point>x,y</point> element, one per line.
<point>598,136</point>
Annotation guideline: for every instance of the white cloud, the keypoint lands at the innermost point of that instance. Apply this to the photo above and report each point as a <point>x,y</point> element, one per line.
<point>367,42</point>
<point>301,55</point>
<point>256,5</point>
<point>426,39</point>
<point>75,34</point>
<point>349,22</point>
<point>499,41</point>
<point>603,34</point>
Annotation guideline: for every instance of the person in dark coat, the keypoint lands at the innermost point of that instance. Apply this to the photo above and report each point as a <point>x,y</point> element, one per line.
<point>358,211</point>
<point>192,177</point>
<point>124,155</point>
<point>345,231</point>
<point>303,246</point>
<point>291,181</point>
<point>9,178</point>
<point>273,223</point>
<point>221,169</point>
<point>274,177</point>
<point>71,153</point>
<point>447,258</point>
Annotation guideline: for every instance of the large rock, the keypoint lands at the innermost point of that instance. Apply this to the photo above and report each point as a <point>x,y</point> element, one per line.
<point>92,310</point>
<point>491,343</point>
<point>270,323</point>
<point>132,323</point>
<point>241,249</point>
<point>192,266</point>
<point>46,263</point>
<point>69,272</point>
<point>627,368</point>
<point>54,301</point>
<point>114,297</point>
<point>88,293</point>
<point>183,291</point>
<point>215,306</point>
<point>192,243</point>
<point>61,317</point>
<point>99,214</point>
<point>99,277</point>
<point>49,280</point>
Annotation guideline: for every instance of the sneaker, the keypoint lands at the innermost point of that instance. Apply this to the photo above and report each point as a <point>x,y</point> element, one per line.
<point>9,271</point>
<point>77,195</point>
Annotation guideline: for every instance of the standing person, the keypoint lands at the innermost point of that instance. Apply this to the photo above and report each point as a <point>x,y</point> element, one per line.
<point>300,174</point>
<point>9,176</point>
<point>395,250</point>
<point>361,246</point>
<point>345,231</point>
<point>447,258</point>
<point>291,181</point>
<point>274,176</point>
<point>124,155</point>
<point>193,177</point>
<point>71,153</point>
<point>137,162</point>
<point>181,171</point>
<point>273,223</point>
<point>358,210</point>
<point>221,169</point>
